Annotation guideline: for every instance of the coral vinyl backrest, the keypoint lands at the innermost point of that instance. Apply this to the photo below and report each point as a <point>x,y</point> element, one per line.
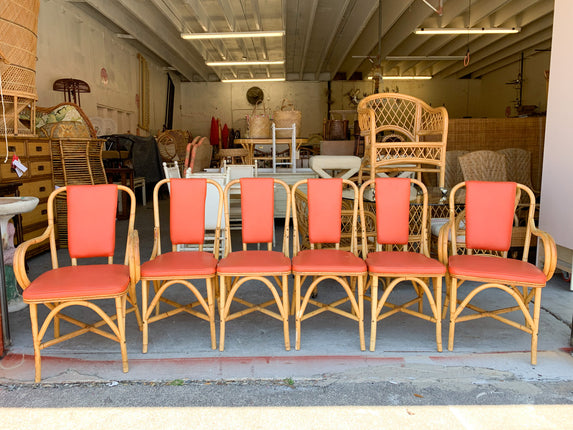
<point>324,210</point>
<point>392,210</point>
<point>187,211</point>
<point>490,208</point>
<point>257,209</point>
<point>91,220</point>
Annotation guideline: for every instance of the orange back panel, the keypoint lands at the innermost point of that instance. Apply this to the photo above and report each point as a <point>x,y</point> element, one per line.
<point>324,210</point>
<point>91,220</point>
<point>392,210</point>
<point>187,210</point>
<point>257,209</point>
<point>489,214</point>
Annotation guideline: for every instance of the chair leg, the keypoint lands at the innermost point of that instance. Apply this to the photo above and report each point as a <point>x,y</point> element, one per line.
<point>298,316</point>
<point>374,316</point>
<point>535,328</point>
<point>285,311</point>
<point>37,356</point>
<point>437,283</point>
<point>453,289</point>
<point>222,313</point>
<point>361,311</point>
<point>210,283</point>
<point>144,311</point>
<point>120,303</point>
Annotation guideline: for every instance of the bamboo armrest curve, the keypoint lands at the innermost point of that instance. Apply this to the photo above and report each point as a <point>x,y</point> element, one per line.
<point>443,242</point>
<point>134,260</point>
<point>20,257</point>
<point>550,250</point>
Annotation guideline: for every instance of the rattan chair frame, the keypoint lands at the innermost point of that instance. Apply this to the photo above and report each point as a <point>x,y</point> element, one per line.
<point>420,281</point>
<point>523,294</point>
<point>353,283</point>
<point>201,307</point>
<point>56,315</point>
<point>276,282</point>
<point>424,129</point>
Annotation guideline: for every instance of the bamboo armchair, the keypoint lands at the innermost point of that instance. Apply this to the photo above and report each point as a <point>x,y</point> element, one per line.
<point>91,238</point>
<point>489,214</point>
<point>180,266</point>
<point>402,133</point>
<point>394,262</point>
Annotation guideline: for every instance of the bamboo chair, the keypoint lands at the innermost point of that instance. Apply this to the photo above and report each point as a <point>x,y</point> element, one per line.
<point>341,266</point>
<point>182,267</point>
<point>489,214</point>
<point>91,220</point>
<point>484,166</point>
<point>402,133</point>
<point>394,261</point>
<point>239,267</point>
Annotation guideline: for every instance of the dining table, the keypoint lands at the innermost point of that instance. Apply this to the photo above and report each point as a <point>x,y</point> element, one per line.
<point>251,143</point>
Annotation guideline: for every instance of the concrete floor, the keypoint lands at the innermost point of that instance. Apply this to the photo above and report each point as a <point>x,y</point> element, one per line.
<point>179,347</point>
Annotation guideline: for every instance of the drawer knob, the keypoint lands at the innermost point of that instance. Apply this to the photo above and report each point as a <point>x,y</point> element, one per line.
<point>42,189</point>
<point>40,168</point>
<point>38,149</point>
<point>44,211</point>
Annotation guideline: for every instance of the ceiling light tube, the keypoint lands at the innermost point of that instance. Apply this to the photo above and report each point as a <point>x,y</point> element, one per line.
<point>404,78</point>
<point>232,35</point>
<point>244,63</point>
<point>424,57</point>
<point>482,30</point>
<point>253,80</point>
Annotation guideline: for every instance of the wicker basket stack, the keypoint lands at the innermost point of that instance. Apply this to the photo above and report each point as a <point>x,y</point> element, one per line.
<point>19,28</point>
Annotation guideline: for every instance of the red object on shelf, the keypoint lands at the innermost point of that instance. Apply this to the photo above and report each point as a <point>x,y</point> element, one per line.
<point>225,137</point>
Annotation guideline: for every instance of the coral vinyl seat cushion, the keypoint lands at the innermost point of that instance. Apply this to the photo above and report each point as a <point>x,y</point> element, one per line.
<point>79,281</point>
<point>399,262</point>
<point>184,263</point>
<point>327,261</point>
<point>486,267</point>
<point>254,261</point>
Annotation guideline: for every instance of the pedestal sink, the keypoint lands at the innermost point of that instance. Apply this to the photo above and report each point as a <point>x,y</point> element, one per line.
<point>10,297</point>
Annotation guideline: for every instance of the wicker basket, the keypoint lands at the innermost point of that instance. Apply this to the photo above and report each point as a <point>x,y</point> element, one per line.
<point>285,118</point>
<point>259,124</point>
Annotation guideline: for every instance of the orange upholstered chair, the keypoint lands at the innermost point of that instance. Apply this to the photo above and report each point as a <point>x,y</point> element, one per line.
<point>489,215</point>
<point>252,265</point>
<point>401,253</point>
<point>184,267</point>
<point>325,260</point>
<point>91,235</point>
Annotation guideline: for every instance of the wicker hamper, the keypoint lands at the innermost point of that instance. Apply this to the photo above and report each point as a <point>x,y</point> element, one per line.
<point>259,124</point>
<point>285,118</point>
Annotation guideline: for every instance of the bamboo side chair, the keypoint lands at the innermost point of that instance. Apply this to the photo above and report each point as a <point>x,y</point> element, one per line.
<point>181,266</point>
<point>489,214</point>
<point>344,267</point>
<point>393,262</point>
<point>91,216</point>
<point>271,268</point>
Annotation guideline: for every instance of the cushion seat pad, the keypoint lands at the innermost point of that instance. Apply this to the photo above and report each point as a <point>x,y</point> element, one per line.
<point>327,261</point>
<point>64,283</point>
<point>507,270</point>
<point>256,262</point>
<point>180,264</point>
<point>404,263</point>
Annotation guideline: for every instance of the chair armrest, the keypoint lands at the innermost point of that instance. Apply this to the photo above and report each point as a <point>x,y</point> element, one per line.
<point>20,257</point>
<point>549,248</point>
<point>445,233</point>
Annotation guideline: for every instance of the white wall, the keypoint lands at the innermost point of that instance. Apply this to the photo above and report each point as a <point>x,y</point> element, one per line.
<point>228,102</point>
<point>556,210</point>
<point>73,45</point>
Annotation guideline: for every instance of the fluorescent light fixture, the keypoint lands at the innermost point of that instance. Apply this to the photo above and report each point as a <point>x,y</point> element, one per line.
<point>404,78</point>
<point>424,57</point>
<point>482,30</point>
<point>244,63</point>
<point>254,80</point>
<point>232,35</point>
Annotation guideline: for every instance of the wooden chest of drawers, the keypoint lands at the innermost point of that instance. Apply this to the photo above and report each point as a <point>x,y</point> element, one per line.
<point>37,181</point>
